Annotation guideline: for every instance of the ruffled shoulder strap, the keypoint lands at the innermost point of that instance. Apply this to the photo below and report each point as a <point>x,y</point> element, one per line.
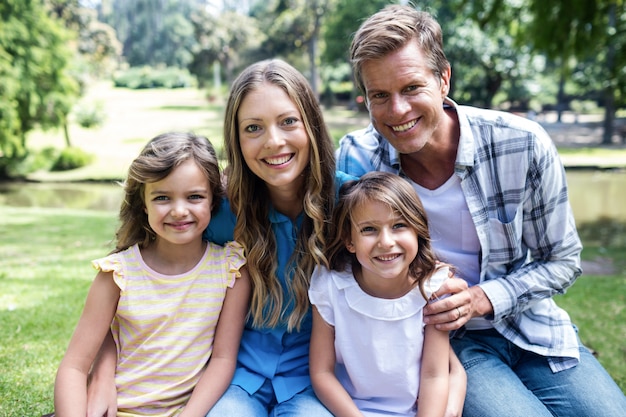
<point>116,263</point>
<point>436,280</point>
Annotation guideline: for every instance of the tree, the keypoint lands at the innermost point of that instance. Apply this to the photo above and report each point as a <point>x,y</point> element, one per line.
<point>35,86</point>
<point>487,61</point>
<point>344,18</point>
<point>225,39</point>
<point>153,32</point>
<point>291,26</point>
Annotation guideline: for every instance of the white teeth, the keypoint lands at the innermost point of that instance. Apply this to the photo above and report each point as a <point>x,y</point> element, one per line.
<point>404,127</point>
<point>388,257</point>
<point>278,161</point>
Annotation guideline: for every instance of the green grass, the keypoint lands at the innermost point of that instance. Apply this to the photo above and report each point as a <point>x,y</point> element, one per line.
<point>45,274</point>
<point>600,157</point>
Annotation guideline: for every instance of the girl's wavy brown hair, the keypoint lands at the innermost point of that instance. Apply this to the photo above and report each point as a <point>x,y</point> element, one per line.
<point>155,162</point>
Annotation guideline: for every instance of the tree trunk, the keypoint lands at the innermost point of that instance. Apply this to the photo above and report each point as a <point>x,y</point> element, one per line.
<point>609,95</point>
<point>560,98</point>
<point>66,133</point>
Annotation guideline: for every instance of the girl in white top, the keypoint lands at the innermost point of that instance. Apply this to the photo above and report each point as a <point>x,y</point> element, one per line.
<point>371,354</point>
<point>168,297</point>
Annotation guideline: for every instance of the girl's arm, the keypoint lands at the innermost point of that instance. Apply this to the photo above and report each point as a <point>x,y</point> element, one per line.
<point>70,393</point>
<point>458,387</point>
<point>322,369</point>
<point>434,375</point>
<point>221,368</point>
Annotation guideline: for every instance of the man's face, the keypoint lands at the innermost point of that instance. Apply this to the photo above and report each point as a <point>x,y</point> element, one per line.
<point>405,98</point>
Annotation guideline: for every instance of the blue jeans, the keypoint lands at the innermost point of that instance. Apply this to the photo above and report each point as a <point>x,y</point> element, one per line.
<point>236,402</point>
<point>504,380</point>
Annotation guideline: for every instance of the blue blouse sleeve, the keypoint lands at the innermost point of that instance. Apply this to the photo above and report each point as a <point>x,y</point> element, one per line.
<point>222,225</point>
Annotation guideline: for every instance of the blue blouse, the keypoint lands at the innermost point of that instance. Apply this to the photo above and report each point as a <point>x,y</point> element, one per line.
<point>272,353</point>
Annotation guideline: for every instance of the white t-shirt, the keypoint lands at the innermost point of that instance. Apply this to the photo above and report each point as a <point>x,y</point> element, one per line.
<point>453,234</point>
<point>378,342</point>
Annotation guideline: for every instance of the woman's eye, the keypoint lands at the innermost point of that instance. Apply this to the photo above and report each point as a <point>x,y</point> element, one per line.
<point>252,128</point>
<point>290,121</point>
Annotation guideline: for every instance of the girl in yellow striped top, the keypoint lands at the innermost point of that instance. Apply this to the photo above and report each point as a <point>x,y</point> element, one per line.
<point>162,291</point>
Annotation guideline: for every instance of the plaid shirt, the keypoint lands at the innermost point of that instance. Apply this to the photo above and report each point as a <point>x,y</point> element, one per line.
<point>516,192</point>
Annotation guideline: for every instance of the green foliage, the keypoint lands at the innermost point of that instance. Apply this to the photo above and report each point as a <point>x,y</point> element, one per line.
<point>71,158</point>
<point>343,20</point>
<point>148,77</point>
<point>153,32</point>
<point>36,87</point>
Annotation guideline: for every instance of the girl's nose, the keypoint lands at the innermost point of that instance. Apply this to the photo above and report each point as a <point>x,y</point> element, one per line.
<point>179,210</point>
<point>385,239</point>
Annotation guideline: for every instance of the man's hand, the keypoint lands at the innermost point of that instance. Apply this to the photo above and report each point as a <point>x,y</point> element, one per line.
<point>459,305</point>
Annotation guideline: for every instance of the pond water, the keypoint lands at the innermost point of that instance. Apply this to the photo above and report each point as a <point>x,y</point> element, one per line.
<point>593,195</point>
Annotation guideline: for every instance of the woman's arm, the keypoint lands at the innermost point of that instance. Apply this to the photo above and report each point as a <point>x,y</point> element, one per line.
<point>322,369</point>
<point>458,387</point>
<point>434,374</point>
<point>221,368</point>
<point>70,394</point>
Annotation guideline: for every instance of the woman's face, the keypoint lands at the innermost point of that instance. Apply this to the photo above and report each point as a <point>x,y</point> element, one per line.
<point>273,138</point>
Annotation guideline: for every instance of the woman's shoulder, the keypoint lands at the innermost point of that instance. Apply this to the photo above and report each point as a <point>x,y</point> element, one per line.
<point>222,225</point>
<point>341,178</point>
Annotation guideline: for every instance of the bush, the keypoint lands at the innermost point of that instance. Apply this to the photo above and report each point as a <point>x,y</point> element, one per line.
<point>71,158</point>
<point>90,115</point>
<point>147,77</point>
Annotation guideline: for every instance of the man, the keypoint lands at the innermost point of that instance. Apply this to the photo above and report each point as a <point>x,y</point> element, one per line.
<point>496,196</point>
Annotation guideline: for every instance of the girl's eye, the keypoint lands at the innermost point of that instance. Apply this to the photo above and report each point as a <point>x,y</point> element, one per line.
<point>399,225</point>
<point>195,197</point>
<point>368,229</point>
<point>161,198</point>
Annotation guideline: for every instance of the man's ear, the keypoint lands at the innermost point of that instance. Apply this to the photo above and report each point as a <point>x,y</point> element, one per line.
<point>445,81</point>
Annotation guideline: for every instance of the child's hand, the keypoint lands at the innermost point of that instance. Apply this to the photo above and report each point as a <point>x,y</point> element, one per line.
<point>101,400</point>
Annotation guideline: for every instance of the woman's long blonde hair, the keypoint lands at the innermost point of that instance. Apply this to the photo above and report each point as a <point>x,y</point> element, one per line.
<point>248,199</point>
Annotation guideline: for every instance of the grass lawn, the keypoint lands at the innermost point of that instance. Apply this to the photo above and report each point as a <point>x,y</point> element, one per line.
<point>45,273</point>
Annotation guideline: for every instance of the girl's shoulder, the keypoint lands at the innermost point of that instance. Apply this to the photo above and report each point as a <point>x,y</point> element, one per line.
<point>118,263</point>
